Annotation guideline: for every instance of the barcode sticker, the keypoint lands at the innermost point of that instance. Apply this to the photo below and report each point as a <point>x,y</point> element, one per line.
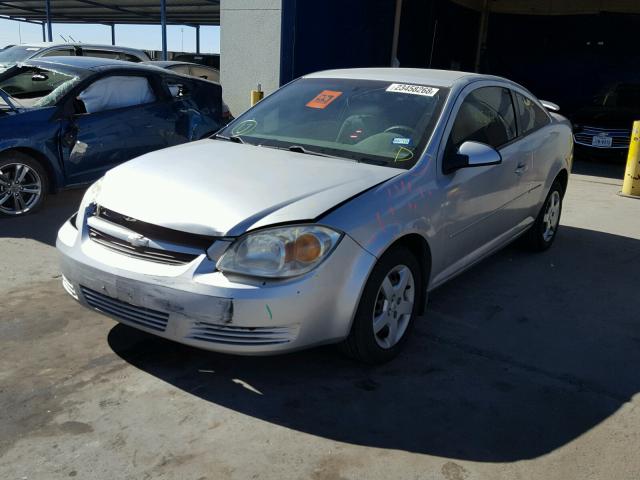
<point>412,89</point>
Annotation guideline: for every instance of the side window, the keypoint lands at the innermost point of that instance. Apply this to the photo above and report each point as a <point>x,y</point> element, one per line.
<point>486,115</point>
<point>60,52</point>
<point>181,69</point>
<point>178,88</point>
<point>206,73</point>
<point>129,58</point>
<point>530,116</point>
<point>113,92</point>
<point>100,53</point>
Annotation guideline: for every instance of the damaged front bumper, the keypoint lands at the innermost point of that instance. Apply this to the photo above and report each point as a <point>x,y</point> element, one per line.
<point>196,305</point>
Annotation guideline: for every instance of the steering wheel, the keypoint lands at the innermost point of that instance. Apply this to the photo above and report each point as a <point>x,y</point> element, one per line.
<point>400,129</point>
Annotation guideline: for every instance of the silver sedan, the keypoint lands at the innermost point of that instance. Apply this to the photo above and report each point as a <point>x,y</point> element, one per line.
<point>324,214</point>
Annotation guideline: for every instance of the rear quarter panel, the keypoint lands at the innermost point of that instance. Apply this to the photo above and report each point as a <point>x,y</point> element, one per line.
<point>554,154</point>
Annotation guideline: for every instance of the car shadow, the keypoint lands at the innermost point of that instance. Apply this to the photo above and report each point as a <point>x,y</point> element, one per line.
<point>612,168</point>
<point>43,225</point>
<point>514,359</point>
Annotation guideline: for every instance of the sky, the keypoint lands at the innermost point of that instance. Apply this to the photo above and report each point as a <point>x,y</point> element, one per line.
<point>145,37</point>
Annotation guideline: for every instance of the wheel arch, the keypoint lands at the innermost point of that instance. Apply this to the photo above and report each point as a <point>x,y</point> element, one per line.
<point>420,248</point>
<point>563,178</point>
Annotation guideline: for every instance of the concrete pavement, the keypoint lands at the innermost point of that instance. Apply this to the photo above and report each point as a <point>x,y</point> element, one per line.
<point>525,367</point>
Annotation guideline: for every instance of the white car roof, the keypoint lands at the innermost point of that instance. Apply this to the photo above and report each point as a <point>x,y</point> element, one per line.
<point>438,78</point>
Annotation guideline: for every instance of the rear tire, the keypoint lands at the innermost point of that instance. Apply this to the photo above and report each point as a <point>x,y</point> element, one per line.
<point>545,228</point>
<point>387,308</point>
<point>23,184</point>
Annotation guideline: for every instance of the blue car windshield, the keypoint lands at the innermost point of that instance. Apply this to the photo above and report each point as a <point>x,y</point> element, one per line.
<point>380,122</point>
<point>36,87</point>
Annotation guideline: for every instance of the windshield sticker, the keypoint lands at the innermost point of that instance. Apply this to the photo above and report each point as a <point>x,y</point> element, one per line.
<point>401,141</point>
<point>324,99</point>
<point>412,89</point>
<point>244,128</point>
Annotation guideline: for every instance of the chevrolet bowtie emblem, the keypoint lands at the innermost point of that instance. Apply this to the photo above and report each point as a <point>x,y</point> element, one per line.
<point>137,240</point>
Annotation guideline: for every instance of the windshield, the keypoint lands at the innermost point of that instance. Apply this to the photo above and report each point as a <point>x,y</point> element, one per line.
<point>371,121</point>
<point>17,53</point>
<point>620,95</point>
<point>36,87</point>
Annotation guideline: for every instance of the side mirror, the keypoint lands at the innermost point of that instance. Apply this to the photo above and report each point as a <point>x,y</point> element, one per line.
<point>473,154</point>
<point>39,77</point>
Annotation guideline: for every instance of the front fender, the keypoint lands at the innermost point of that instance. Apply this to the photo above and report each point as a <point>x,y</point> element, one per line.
<point>34,133</point>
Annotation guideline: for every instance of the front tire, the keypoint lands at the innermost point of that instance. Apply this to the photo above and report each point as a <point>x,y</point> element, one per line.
<point>23,184</point>
<point>387,308</point>
<point>545,228</point>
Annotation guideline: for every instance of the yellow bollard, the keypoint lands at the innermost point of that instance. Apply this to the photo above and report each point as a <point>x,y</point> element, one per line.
<point>631,184</point>
<point>256,95</point>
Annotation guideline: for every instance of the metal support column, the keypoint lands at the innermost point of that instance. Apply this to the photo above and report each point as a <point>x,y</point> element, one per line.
<point>48,10</point>
<point>197,38</point>
<point>44,34</point>
<point>482,35</point>
<point>396,34</point>
<point>113,34</point>
<point>163,22</point>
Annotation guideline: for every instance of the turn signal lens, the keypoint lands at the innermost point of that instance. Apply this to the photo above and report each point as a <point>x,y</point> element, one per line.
<point>307,248</point>
<point>279,252</point>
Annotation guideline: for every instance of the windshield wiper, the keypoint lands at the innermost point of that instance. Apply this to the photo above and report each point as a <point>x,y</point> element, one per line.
<point>231,138</point>
<point>301,149</point>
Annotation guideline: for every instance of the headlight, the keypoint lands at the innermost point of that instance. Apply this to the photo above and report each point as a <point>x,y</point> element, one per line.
<point>90,197</point>
<point>279,252</point>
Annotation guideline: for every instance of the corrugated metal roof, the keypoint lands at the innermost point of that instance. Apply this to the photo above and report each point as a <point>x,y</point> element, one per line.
<point>185,12</point>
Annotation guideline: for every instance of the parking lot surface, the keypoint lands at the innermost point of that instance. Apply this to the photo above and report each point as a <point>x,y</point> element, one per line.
<point>524,367</point>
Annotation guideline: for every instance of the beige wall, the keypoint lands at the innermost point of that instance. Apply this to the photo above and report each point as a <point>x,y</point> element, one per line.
<point>249,49</point>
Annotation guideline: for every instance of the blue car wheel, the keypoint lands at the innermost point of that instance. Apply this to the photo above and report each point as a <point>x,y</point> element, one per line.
<point>23,184</point>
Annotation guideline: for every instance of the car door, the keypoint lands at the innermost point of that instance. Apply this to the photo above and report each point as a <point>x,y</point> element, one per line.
<point>537,143</point>
<point>115,118</point>
<point>481,203</point>
<point>197,107</point>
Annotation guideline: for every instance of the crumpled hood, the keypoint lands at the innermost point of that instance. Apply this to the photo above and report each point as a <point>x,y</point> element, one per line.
<point>213,187</point>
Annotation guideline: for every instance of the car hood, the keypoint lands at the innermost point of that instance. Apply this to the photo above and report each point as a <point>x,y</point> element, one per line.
<point>605,117</point>
<point>213,187</point>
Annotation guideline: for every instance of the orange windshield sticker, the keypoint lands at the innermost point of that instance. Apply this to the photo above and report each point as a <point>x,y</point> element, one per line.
<point>324,99</point>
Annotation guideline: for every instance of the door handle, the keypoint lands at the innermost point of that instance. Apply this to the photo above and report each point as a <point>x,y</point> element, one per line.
<point>521,168</point>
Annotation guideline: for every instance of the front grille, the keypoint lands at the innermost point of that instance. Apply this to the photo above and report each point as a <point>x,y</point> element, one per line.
<point>233,335</point>
<point>149,230</point>
<point>141,316</point>
<point>620,138</point>
<point>156,255</point>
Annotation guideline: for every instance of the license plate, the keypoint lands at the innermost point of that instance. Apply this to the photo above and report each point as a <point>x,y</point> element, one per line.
<point>601,141</point>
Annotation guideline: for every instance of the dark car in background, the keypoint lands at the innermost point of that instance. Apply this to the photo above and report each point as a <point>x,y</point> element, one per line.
<point>190,69</point>
<point>64,121</point>
<point>20,53</point>
<point>603,127</point>
<point>208,59</point>
<point>198,71</point>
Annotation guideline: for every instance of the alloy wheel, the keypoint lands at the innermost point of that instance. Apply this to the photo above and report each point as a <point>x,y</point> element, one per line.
<point>551,216</point>
<point>20,188</point>
<point>393,306</point>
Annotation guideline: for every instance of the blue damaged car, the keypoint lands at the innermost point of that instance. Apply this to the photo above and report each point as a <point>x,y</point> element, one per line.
<point>64,121</point>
